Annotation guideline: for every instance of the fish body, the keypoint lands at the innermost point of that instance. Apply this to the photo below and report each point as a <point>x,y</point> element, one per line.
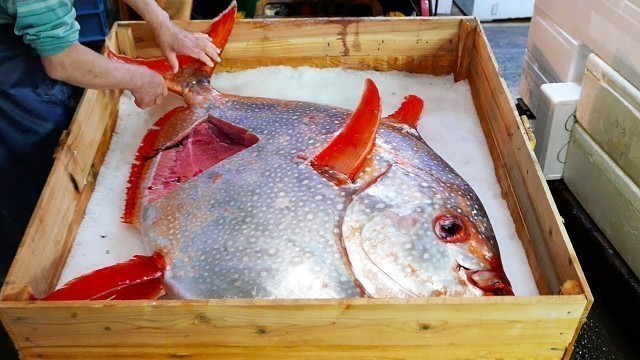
<point>247,197</point>
<point>264,223</point>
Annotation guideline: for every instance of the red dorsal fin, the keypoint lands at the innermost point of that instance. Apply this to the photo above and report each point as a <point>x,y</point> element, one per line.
<point>408,113</point>
<point>138,278</point>
<point>219,33</point>
<point>347,151</point>
<point>147,149</point>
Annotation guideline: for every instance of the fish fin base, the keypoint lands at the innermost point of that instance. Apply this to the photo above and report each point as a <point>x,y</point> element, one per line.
<point>408,113</point>
<point>347,151</point>
<point>207,143</point>
<point>190,68</point>
<point>147,150</point>
<point>138,278</point>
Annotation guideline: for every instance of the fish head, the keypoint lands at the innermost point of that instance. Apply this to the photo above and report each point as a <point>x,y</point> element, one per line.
<point>411,232</point>
<point>463,226</point>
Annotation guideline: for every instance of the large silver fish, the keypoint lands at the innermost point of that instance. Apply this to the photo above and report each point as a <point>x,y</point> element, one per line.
<point>262,198</point>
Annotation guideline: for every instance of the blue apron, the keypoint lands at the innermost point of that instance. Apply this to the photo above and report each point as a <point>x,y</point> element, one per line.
<point>34,110</point>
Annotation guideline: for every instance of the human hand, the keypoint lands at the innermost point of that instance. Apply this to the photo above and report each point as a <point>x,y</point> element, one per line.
<point>150,88</point>
<point>174,41</point>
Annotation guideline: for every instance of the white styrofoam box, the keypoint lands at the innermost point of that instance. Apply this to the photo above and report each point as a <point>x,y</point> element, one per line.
<point>614,34</point>
<point>554,50</point>
<point>572,16</point>
<point>497,9</point>
<point>553,127</point>
<point>607,194</point>
<point>530,82</point>
<point>444,6</point>
<point>611,28</point>
<point>609,110</point>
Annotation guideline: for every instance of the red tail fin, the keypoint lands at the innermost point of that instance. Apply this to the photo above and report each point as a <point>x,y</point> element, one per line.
<point>219,33</point>
<point>409,112</point>
<point>354,143</point>
<point>138,278</point>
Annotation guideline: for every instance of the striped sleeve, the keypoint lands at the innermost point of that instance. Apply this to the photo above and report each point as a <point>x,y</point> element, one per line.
<point>49,26</point>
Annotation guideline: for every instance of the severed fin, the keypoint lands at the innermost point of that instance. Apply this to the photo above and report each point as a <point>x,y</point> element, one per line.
<point>138,278</point>
<point>207,143</point>
<point>408,113</point>
<point>148,149</point>
<point>343,157</point>
<point>190,68</point>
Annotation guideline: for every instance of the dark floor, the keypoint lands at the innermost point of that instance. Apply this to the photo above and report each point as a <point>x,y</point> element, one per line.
<point>508,42</point>
<point>606,333</point>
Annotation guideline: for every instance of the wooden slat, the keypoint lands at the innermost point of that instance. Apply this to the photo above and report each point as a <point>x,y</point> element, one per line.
<point>554,250</point>
<point>265,42</point>
<point>505,321</point>
<point>532,351</point>
<point>415,64</point>
<point>124,36</point>
<point>488,110</point>
<point>466,42</point>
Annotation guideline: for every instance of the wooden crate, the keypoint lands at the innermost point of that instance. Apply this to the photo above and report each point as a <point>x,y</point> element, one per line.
<point>444,328</point>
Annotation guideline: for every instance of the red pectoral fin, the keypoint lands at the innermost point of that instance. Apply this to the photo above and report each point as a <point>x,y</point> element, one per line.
<point>138,278</point>
<point>219,33</point>
<point>350,148</point>
<point>408,113</point>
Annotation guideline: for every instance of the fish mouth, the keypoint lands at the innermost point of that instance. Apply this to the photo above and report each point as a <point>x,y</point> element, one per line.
<point>493,283</point>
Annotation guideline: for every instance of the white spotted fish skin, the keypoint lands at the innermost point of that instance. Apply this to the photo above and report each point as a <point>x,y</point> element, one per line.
<point>264,224</point>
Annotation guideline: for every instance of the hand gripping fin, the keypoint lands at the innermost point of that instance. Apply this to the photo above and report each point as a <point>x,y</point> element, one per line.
<point>189,68</point>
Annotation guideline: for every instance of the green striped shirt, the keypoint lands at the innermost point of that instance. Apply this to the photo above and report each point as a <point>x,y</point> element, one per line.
<point>49,26</point>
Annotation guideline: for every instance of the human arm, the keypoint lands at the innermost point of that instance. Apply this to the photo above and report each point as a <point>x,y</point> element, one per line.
<point>81,66</point>
<point>173,40</point>
<point>50,28</point>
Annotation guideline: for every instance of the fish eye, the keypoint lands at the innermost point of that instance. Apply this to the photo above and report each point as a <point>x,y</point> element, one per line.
<point>450,228</point>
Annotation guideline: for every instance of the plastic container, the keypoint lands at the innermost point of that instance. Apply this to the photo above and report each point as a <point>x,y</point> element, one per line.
<point>92,17</point>
<point>88,6</point>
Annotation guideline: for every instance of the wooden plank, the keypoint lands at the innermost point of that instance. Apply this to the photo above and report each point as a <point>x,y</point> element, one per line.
<point>505,321</point>
<point>466,42</point>
<point>415,64</point>
<point>382,39</point>
<point>124,36</point>
<point>487,110</point>
<point>554,250</point>
<point>533,351</point>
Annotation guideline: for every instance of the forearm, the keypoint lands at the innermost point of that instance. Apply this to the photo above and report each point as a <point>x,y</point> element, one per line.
<point>150,11</point>
<point>80,66</point>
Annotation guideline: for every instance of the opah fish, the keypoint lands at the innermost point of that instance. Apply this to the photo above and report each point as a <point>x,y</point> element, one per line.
<point>255,197</point>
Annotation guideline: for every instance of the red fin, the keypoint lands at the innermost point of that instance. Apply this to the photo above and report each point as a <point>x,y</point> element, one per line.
<point>408,113</point>
<point>138,278</point>
<point>146,150</point>
<point>219,33</point>
<point>350,148</point>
